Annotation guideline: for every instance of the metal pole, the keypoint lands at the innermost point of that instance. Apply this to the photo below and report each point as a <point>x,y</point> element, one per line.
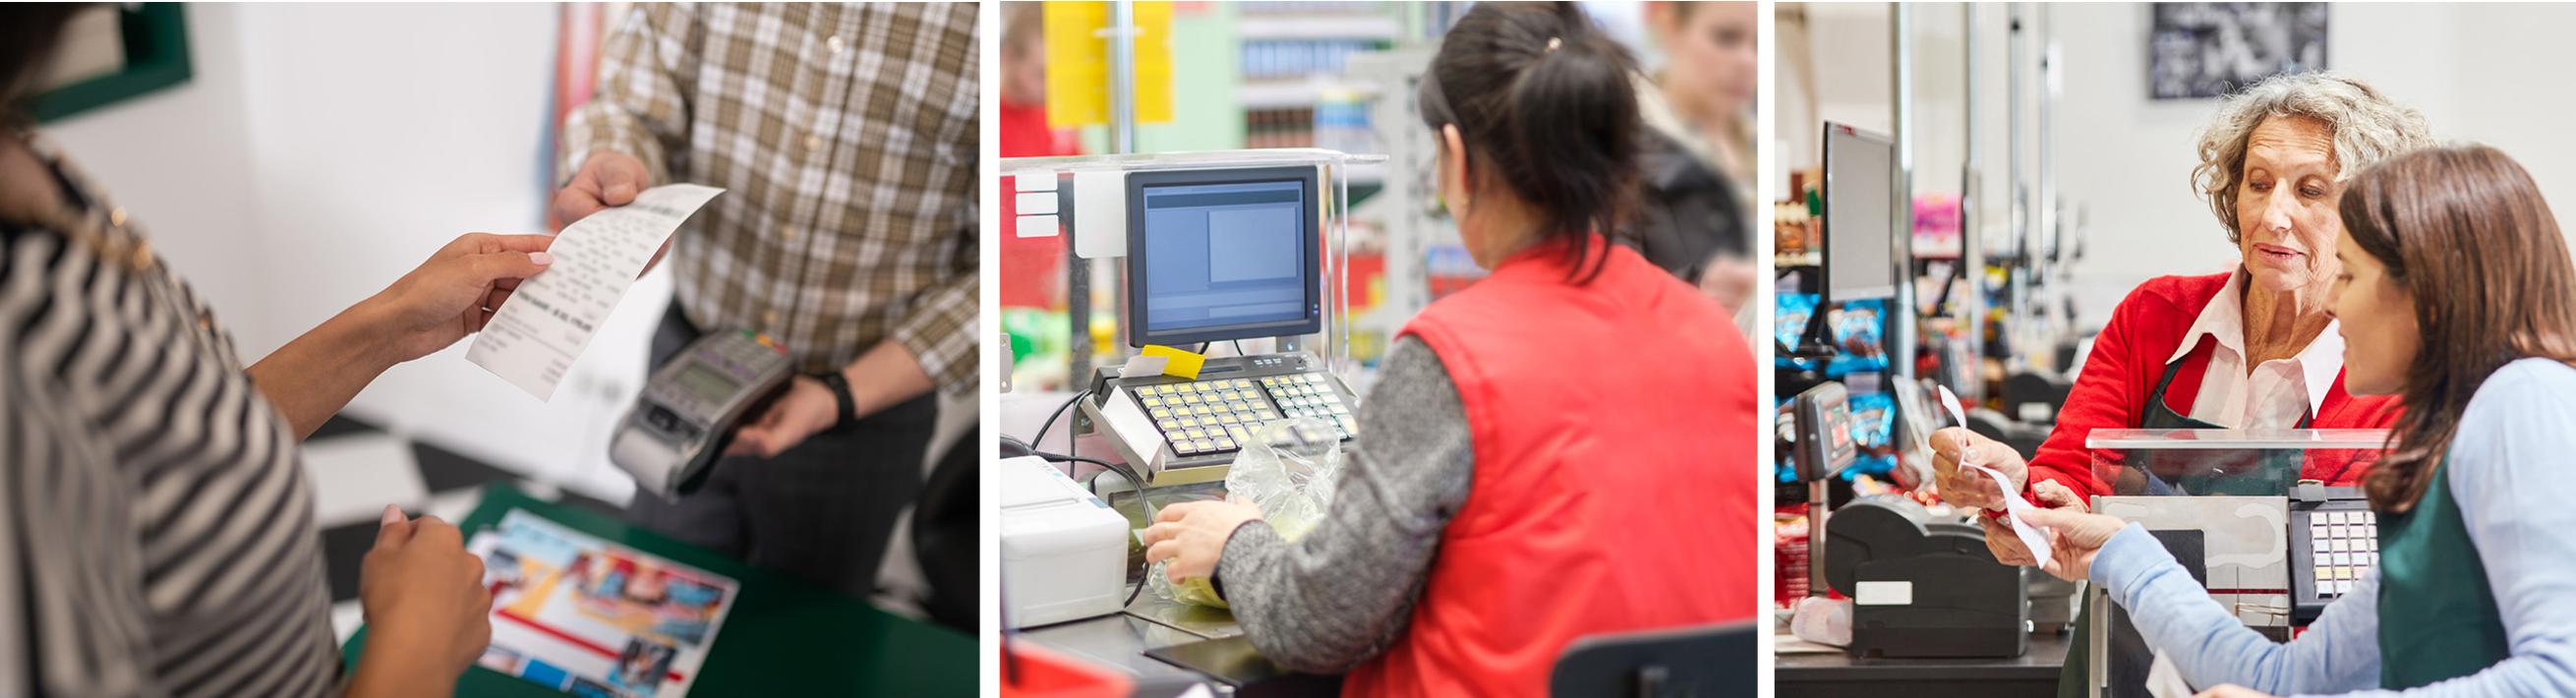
<point>2049,225</point>
<point>1972,252</point>
<point>1122,77</point>
<point>1122,139</point>
<point>2016,279</point>
<point>1902,317</point>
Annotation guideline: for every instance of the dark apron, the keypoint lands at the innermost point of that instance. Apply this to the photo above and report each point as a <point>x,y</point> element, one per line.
<point>2129,657</point>
<point>2437,616</point>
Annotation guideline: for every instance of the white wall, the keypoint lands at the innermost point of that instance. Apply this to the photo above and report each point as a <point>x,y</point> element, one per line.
<point>2487,73</point>
<point>324,150</point>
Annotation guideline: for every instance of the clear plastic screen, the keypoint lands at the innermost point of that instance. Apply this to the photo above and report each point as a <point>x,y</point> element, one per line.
<point>2235,462</point>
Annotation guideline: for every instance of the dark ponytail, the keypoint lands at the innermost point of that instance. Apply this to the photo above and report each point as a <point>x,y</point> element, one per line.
<point>1544,103</point>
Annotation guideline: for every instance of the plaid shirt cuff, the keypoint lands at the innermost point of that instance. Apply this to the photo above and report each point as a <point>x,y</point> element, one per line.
<point>940,333</point>
<point>600,125</point>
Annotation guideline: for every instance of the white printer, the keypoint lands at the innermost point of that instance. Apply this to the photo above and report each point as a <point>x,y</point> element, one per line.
<point>1064,551</point>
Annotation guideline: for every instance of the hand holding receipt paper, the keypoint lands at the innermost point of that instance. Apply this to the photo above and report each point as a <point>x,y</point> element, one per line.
<point>533,339</point>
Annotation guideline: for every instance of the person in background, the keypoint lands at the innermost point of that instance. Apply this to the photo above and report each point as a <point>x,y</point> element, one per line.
<point>156,526</point>
<point>2452,294</point>
<point>1475,533</point>
<point>1698,110</point>
<point>2251,348</point>
<point>1032,268</point>
<point>845,136</point>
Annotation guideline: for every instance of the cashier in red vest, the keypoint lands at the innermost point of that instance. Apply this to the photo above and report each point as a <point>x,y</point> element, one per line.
<point>1555,452</point>
<point>2252,348</point>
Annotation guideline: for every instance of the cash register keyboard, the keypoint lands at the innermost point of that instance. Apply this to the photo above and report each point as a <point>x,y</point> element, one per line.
<point>1219,415</point>
<point>2345,543</point>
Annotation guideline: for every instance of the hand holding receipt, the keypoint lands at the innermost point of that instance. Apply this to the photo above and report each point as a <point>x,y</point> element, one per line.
<point>533,339</point>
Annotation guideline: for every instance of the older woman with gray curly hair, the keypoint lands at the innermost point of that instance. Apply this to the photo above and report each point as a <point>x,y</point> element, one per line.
<point>2251,348</point>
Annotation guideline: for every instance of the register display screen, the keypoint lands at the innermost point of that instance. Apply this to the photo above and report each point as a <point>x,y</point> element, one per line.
<point>1226,260</point>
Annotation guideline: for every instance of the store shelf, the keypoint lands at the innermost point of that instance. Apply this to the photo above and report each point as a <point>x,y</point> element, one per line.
<point>1291,93</point>
<point>1277,94</point>
<point>1317,26</point>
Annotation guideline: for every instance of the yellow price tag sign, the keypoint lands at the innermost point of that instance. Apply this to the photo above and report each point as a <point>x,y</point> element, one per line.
<point>1077,63</point>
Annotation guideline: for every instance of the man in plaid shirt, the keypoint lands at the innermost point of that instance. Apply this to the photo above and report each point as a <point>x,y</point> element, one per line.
<point>846,138</point>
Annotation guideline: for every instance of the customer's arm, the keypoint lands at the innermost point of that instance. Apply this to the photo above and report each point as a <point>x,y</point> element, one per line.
<point>2506,471</point>
<point>2339,652</point>
<point>445,299</point>
<point>1345,591</point>
<point>932,346</point>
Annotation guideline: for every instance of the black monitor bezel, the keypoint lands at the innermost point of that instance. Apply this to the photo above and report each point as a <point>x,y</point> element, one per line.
<point>1309,180</point>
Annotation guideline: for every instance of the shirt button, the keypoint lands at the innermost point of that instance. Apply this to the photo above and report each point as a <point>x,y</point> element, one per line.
<point>787,231</point>
<point>769,318</point>
<point>836,44</point>
<point>116,216</point>
<point>813,142</point>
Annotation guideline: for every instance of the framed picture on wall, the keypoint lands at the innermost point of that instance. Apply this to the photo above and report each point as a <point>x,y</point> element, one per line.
<point>2199,50</point>
<point>112,52</point>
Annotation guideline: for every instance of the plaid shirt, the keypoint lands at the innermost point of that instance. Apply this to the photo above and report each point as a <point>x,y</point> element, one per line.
<point>846,138</point>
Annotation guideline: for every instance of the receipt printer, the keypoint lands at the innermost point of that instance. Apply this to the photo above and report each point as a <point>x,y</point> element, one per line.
<point>1923,590</point>
<point>686,415</point>
<point>1064,551</point>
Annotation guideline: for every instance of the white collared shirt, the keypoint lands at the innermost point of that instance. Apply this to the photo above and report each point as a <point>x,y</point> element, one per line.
<point>2274,395</point>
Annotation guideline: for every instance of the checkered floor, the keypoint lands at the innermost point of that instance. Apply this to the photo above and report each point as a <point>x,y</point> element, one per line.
<point>357,469</point>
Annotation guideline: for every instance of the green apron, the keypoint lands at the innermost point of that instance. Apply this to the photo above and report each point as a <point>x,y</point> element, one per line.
<point>2073,674</point>
<point>2437,616</point>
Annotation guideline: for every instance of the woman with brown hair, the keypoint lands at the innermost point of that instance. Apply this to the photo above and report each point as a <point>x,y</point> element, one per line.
<point>2455,294</point>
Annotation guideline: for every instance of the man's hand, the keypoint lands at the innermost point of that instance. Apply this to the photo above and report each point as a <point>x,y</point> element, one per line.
<point>807,408</point>
<point>1969,488</point>
<point>1192,535</point>
<point>454,293</point>
<point>607,178</point>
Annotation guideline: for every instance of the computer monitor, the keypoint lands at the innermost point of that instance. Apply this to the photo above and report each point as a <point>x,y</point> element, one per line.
<point>1860,225</point>
<point>1220,254</point>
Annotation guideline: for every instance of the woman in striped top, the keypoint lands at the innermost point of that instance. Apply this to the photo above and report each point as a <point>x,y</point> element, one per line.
<point>156,531</point>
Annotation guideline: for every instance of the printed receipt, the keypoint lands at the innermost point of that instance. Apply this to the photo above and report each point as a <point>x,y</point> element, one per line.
<point>2032,537</point>
<point>535,336</point>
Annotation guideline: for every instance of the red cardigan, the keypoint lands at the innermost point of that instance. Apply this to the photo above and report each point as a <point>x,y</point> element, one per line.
<point>2129,357</point>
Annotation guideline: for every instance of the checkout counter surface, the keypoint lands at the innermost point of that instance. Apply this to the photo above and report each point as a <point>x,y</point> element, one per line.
<point>1837,674</point>
<point>782,637</point>
<point>1119,642</point>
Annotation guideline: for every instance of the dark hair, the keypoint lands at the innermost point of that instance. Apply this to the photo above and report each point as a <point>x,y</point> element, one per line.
<point>28,35</point>
<point>2464,231</point>
<point>1541,98</point>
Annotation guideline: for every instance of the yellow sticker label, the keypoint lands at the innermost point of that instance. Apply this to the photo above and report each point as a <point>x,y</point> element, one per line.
<point>1177,363</point>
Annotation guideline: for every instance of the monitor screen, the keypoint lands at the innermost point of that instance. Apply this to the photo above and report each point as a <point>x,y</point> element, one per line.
<point>1860,215</point>
<point>1215,255</point>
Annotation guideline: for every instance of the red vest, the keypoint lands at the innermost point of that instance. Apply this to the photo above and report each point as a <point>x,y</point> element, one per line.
<point>1613,427</point>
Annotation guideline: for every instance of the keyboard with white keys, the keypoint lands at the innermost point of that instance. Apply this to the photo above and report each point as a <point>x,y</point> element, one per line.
<point>1219,415</point>
<point>2334,541</point>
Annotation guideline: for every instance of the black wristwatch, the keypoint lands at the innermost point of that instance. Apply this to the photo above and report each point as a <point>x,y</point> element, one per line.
<point>840,386</point>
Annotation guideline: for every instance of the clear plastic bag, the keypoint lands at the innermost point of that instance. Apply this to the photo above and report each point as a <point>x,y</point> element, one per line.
<point>1289,471</point>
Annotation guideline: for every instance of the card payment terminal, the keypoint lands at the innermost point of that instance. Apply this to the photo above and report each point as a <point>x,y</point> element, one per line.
<point>689,407</point>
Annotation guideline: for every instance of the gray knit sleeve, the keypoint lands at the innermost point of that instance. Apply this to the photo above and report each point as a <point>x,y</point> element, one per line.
<point>1345,591</point>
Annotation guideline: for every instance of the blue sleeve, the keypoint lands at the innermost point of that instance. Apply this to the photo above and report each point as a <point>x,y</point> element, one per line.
<point>2508,471</point>
<point>2340,652</point>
